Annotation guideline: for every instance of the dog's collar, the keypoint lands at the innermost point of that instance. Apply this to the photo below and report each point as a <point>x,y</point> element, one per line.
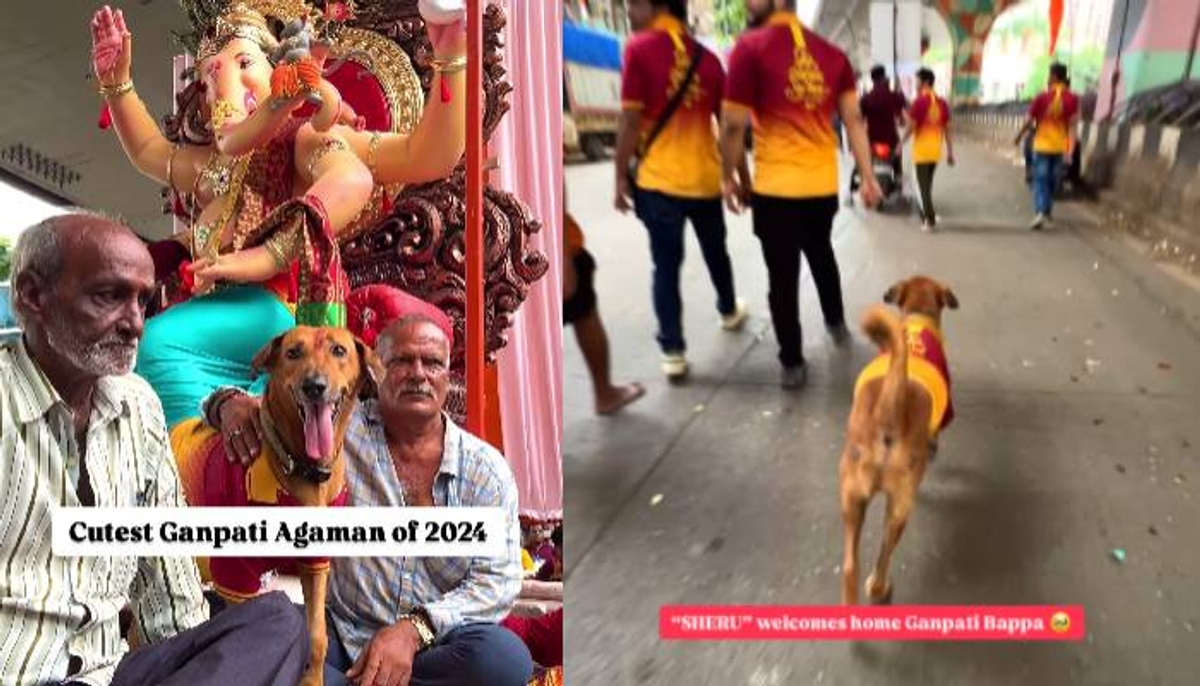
<point>923,321</point>
<point>305,469</point>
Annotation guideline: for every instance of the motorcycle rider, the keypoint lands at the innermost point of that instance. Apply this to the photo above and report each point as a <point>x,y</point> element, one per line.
<point>883,109</point>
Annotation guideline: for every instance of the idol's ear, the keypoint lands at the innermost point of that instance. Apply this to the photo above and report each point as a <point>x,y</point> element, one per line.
<point>895,294</point>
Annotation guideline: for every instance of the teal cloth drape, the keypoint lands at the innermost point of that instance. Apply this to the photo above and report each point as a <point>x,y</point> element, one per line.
<point>195,347</point>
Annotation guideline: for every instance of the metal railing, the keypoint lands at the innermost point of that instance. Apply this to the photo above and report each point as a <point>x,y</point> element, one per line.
<point>1087,107</point>
<point>1176,104</point>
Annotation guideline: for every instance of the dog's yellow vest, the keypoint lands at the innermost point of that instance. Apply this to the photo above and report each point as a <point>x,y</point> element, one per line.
<point>926,365</point>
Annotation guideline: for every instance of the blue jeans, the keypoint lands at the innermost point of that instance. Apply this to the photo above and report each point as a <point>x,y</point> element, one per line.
<point>664,216</point>
<point>1045,180</point>
<point>471,655</point>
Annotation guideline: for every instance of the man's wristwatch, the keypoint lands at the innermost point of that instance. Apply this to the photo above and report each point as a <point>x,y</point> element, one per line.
<point>424,630</point>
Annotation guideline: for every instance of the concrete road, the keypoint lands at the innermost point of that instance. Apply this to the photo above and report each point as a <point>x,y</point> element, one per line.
<point>1076,371</point>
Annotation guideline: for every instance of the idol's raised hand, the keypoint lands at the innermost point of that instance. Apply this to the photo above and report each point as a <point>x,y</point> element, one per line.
<point>112,48</point>
<point>446,22</point>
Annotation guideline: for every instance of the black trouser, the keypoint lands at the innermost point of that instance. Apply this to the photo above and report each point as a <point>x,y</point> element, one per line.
<point>261,642</point>
<point>925,183</point>
<point>786,228</point>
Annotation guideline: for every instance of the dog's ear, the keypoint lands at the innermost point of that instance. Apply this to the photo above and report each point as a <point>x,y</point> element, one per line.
<point>266,357</point>
<point>895,294</point>
<point>949,298</point>
<point>370,370</point>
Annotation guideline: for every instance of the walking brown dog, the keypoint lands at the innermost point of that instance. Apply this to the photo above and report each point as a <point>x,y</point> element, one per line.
<point>901,403</point>
<point>317,375</point>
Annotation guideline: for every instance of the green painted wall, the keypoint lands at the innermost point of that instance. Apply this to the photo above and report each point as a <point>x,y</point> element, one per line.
<point>1145,70</point>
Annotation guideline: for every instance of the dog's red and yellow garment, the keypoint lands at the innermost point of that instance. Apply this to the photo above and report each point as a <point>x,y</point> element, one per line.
<point>211,480</point>
<point>926,365</point>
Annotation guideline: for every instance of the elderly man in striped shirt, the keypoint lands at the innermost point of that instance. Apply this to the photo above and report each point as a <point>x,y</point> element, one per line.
<point>77,429</point>
<point>413,621</point>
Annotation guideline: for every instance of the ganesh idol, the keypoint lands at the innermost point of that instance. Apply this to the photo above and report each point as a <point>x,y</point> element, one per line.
<point>273,165</point>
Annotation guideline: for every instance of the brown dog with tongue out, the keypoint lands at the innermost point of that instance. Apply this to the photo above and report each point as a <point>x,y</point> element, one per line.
<point>316,376</point>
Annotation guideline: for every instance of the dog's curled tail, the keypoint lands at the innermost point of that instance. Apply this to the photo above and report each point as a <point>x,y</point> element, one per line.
<point>885,329</point>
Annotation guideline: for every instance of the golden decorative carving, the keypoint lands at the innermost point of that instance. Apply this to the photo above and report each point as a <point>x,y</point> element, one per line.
<point>391,66</point>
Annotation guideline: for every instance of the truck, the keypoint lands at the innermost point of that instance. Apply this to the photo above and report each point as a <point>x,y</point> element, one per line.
<point>591,90</point>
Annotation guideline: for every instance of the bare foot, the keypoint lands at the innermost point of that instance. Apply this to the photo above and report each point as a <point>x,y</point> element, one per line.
<point>618,397</point>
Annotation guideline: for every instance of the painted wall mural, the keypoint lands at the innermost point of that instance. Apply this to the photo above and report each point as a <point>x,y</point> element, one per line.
<point>1017,52</point>
<point>970,21</point>
<point>1081,39</point>
<point>1154,48</point>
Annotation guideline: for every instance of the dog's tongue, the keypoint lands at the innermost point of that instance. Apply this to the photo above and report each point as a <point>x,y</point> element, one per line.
<point>318,430</point>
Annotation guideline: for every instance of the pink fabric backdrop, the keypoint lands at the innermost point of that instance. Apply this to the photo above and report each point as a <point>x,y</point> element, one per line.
<point>528,145</point>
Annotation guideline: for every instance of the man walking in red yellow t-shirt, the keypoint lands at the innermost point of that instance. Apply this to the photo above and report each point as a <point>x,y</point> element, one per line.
<point>1052,117</point>
<point>678,176</point>
<point>929,121</point>
<point>792,81</point>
